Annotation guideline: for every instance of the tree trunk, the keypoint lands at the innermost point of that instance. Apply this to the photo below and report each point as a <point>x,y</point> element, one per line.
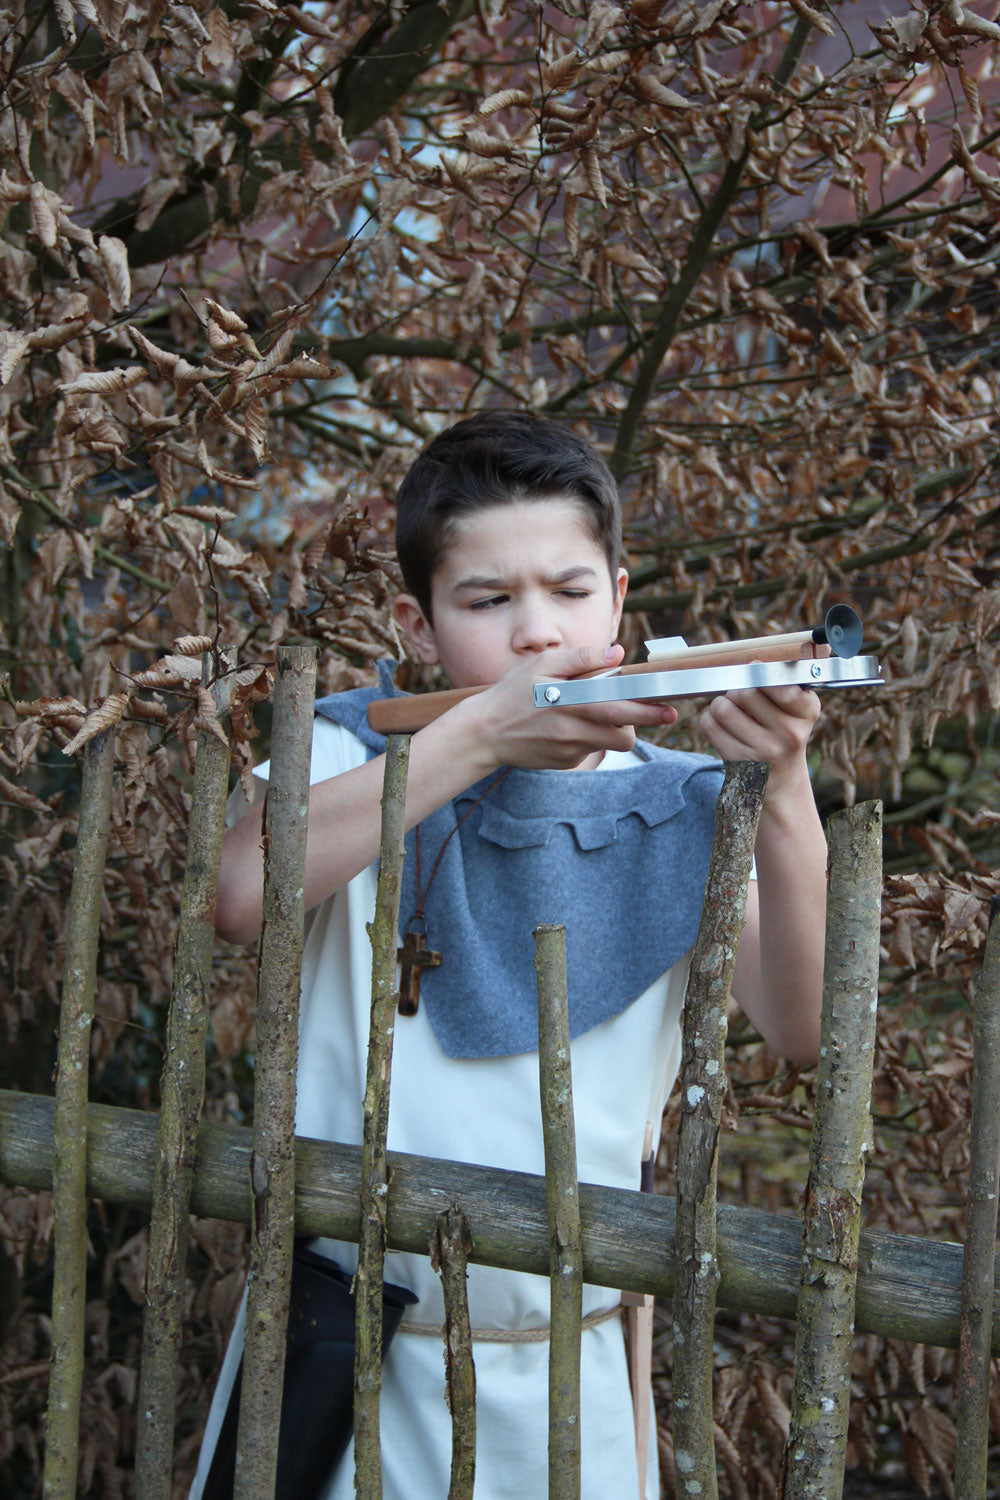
<point>384,933</point>
<point>182,1090</point>
<point>703,1088</point>
<point>69,1169</point>
<point>272,1162</point>
<point>824,1332</point>
<point>972,1394</point>
<point>562,1197</point>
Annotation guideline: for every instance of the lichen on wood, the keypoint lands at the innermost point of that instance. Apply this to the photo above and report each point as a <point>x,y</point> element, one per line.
<point>563,1202</point>
<point>69,1159</point>
<point>272,1162</point>
<point>450,1248</point>
<point>182,1089</point>
<point>703,1088</point>
<point>972,1387</point>
<point>384,934</point>
<point>841,1137</point>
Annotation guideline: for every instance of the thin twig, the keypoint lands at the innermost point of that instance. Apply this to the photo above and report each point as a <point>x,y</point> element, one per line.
<point>183,1087</point>
<point>703,1088</point>
<point>113,559</point>
<point>824,1330</point>
<point>272,1162</point>
<point>563,1199</point>
<point>69,1165</point>
<point>972,1394</point>
<point>698,256</point>
<point>384,934</point>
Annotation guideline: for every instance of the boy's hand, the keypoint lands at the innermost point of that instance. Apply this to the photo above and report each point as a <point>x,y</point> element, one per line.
<point>768,724</point>
<point>513,732</point>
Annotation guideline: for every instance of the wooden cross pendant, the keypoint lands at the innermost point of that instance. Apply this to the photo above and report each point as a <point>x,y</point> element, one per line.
<point>413,956</point>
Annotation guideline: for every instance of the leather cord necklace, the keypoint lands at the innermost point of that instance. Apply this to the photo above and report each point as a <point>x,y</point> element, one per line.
<point>414,956</point>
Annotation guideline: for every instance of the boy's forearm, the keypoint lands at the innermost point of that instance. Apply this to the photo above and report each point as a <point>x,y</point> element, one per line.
<point>344,823</point>
<point>784,995</point>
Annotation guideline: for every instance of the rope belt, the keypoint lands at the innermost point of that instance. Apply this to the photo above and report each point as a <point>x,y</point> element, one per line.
<point>537,1335</point>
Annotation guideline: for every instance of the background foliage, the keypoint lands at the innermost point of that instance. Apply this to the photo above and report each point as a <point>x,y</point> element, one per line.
<point>254,255</point>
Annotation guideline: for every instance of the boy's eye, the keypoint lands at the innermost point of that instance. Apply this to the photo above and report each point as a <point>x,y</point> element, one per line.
<point>489,603</point>
<point>574,593</point>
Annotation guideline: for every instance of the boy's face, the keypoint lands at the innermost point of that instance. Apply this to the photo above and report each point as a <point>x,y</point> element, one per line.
<point>515,580</point>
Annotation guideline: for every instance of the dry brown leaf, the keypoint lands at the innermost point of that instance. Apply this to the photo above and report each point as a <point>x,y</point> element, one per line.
<point>104,382</point>
<point>105,716</point>
<point>592,172</point>
<point>503,99</point>
<point>114,258</point>
<point>256,426</point>
<point>43,215</point>
<point>14,344</point>
<point>654,92</point>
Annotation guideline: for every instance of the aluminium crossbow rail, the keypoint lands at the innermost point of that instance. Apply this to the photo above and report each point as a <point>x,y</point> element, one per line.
<point>694,682</point>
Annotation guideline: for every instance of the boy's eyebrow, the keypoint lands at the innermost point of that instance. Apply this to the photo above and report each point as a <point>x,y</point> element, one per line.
<point>578,572</point>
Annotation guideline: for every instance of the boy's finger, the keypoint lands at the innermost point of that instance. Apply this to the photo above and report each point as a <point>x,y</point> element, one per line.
<point>584,659</point>
<point>575,661</point>
<point>647,715</point>
<point>766,704</point>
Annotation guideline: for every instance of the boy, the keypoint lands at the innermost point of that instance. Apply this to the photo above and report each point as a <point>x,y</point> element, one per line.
<point>508,535</point>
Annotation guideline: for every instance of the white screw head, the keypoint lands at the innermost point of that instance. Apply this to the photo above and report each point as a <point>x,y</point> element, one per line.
<point>816,670</point>
<point>552,694</point>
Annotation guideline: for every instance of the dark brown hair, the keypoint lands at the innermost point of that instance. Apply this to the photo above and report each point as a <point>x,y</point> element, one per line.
<point>495,458</point>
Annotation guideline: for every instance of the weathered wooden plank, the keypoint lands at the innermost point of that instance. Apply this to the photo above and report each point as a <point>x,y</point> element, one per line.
<point>908,1287</point>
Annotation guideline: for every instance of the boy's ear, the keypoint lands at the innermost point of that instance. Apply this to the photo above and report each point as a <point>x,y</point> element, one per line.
<point>414,624</point>
<point>620,585</point>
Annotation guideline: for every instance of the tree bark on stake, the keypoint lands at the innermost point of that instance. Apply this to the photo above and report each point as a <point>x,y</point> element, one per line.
<point>703,1088</point>
<point>973,1385</point>
<point>384,934</point>
<point>563,1202</point>
<point>183,1087</point>
<point>450,1255</point>
<point>69,1161</point>
<point>272,1161</point>
<point>824,1330</point>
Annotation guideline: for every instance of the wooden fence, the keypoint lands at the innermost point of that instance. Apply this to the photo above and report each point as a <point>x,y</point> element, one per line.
<point>827,1273</point>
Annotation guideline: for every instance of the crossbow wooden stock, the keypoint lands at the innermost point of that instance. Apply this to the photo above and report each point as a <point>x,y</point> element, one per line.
<point>675,670</point>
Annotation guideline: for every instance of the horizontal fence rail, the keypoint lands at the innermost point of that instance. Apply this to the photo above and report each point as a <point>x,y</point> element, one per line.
<point>908,1287</point>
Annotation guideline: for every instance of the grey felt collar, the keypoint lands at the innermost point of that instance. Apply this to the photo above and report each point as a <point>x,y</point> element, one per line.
<point>619,857</point>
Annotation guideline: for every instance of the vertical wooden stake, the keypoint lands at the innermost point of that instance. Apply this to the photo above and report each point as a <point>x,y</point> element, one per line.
<point>272,1162</point>
<point>450,1255</point>
<point>973,1385</point>
<point>69,1159</point>
<point>384,934</point>
<point>563,1199</point>
<point>703,1088</point>
<point>824,1328</point>
<point>183,1088</point>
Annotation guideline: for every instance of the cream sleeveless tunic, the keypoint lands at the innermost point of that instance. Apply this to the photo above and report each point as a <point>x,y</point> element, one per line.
<point>485,1111</point>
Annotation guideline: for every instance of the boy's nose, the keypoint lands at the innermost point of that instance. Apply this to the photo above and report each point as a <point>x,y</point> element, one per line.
<point>534,630</point>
